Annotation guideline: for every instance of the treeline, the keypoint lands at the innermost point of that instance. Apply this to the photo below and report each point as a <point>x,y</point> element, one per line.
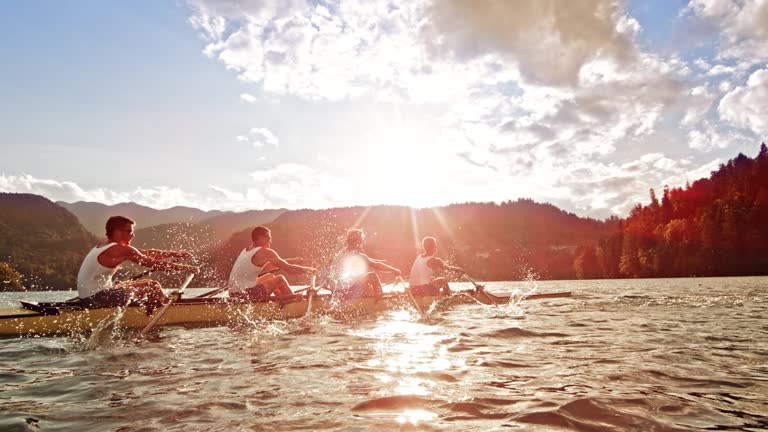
<point>41,243</point>
<point>491,241</point>
<point>713,227</point>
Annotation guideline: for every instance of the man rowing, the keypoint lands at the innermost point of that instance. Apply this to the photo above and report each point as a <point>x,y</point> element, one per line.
<point>246,281</point>
<point>353,273</point>
<point>95,286</point>
<point>422,280</point>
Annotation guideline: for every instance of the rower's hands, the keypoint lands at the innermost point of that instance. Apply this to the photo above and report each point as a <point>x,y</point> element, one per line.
<point>192,268</point>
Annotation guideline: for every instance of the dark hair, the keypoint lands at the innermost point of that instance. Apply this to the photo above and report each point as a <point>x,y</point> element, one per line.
<point>117,222</point>
<point>428,240</point>
<point>355,237</point>
<point>259,231</point>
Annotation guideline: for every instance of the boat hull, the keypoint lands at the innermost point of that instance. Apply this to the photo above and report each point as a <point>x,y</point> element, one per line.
<point>217,311</point>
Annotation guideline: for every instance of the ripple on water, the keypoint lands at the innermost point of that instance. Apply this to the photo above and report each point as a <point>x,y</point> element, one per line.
<point>622,355</point>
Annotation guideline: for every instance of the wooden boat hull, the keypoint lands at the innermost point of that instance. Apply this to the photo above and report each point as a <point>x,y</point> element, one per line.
<point>217,311</point>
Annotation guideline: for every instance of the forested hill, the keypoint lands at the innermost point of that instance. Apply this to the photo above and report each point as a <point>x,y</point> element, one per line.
<point>492,241</point>
<point>41,241</point>
<point>94,215</point>
<point>716,226</point>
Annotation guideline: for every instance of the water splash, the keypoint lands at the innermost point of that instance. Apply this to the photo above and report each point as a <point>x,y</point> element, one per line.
<point>107,331</point>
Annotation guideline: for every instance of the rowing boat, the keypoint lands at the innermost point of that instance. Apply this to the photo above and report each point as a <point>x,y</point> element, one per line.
<point>63,318</point>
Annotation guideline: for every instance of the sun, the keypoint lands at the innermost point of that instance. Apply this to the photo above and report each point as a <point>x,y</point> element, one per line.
<point>405,167</point>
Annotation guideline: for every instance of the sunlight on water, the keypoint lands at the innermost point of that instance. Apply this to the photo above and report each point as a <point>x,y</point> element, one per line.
<point>618,355</point>
<point>406,353</point>
<point>413,417</point>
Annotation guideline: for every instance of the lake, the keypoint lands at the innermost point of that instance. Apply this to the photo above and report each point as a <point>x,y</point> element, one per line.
<point>654,354</point>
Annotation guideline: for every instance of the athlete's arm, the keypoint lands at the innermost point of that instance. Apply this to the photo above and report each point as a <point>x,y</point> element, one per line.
<point>163,254</point>
<point>134,255</point>
<point>437,263</point>
<point>380,266</point>
<point>265,255</point>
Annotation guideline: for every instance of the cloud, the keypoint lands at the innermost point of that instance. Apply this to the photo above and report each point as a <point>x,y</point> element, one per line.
<point>609,108</point>
<point>159,197</point>
<point>600,189</point>
<point>741,25</point>
<point>250,199</point>
<point>294,185</point>
<point>532,95</point>
<point>248,97</point>
<point>699,100</point>
<point>549,40</point>
<point>259,137</point>
<point>318,51</point>
<point>745,106</point>
<point>55,190</point>
<point>566,75</point>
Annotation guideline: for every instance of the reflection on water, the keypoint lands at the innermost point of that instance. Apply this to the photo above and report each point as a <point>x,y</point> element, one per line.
<point>619,355</point>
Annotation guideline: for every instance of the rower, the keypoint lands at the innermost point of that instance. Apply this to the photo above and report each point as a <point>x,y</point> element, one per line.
<point>94,280</point>
<point>422,280</point>
<point>246,281</point>
<point>353,272</point>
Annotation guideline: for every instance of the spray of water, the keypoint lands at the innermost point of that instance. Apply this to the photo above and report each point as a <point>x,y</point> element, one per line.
<point>530,286</point>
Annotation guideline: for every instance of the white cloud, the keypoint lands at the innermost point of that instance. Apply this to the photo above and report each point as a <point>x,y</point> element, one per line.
<point>248,97</point>
<point>524,90</point>
<point>159,197</point>
<point>742,27</point>
<point>259,137</point>
<point>295,185</point>
<point>745,106</point>
<point>699,100</point>
<point>713,136</point>
<point>600,189</point>
<point>315,51</point>
<point>55,190</point>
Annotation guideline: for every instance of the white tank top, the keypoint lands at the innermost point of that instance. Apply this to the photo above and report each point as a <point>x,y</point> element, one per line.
<point>94,277</point>
<point>421,273</point>
<point>244,272</point>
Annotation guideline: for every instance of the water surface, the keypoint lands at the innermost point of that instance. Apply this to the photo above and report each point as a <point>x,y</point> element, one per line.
<point>657,354</point>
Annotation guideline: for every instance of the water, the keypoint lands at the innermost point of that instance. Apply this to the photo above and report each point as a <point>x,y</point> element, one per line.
<point>661,354</point>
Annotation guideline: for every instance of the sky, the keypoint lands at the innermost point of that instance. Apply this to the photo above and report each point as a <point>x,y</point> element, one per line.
<point>236,105</point>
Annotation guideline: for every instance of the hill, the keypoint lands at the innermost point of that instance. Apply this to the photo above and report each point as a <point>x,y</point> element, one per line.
<point>93,215</point>
<point>491,241</point>
<point>42,241</point>
<point>224,225</point>
<point>713,227</point>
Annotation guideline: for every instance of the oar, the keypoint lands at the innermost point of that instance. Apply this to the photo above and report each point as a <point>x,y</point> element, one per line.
<point>174,298</point>
<point>310,296</point>
<point>411,297</point>
<point>481,289</point>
